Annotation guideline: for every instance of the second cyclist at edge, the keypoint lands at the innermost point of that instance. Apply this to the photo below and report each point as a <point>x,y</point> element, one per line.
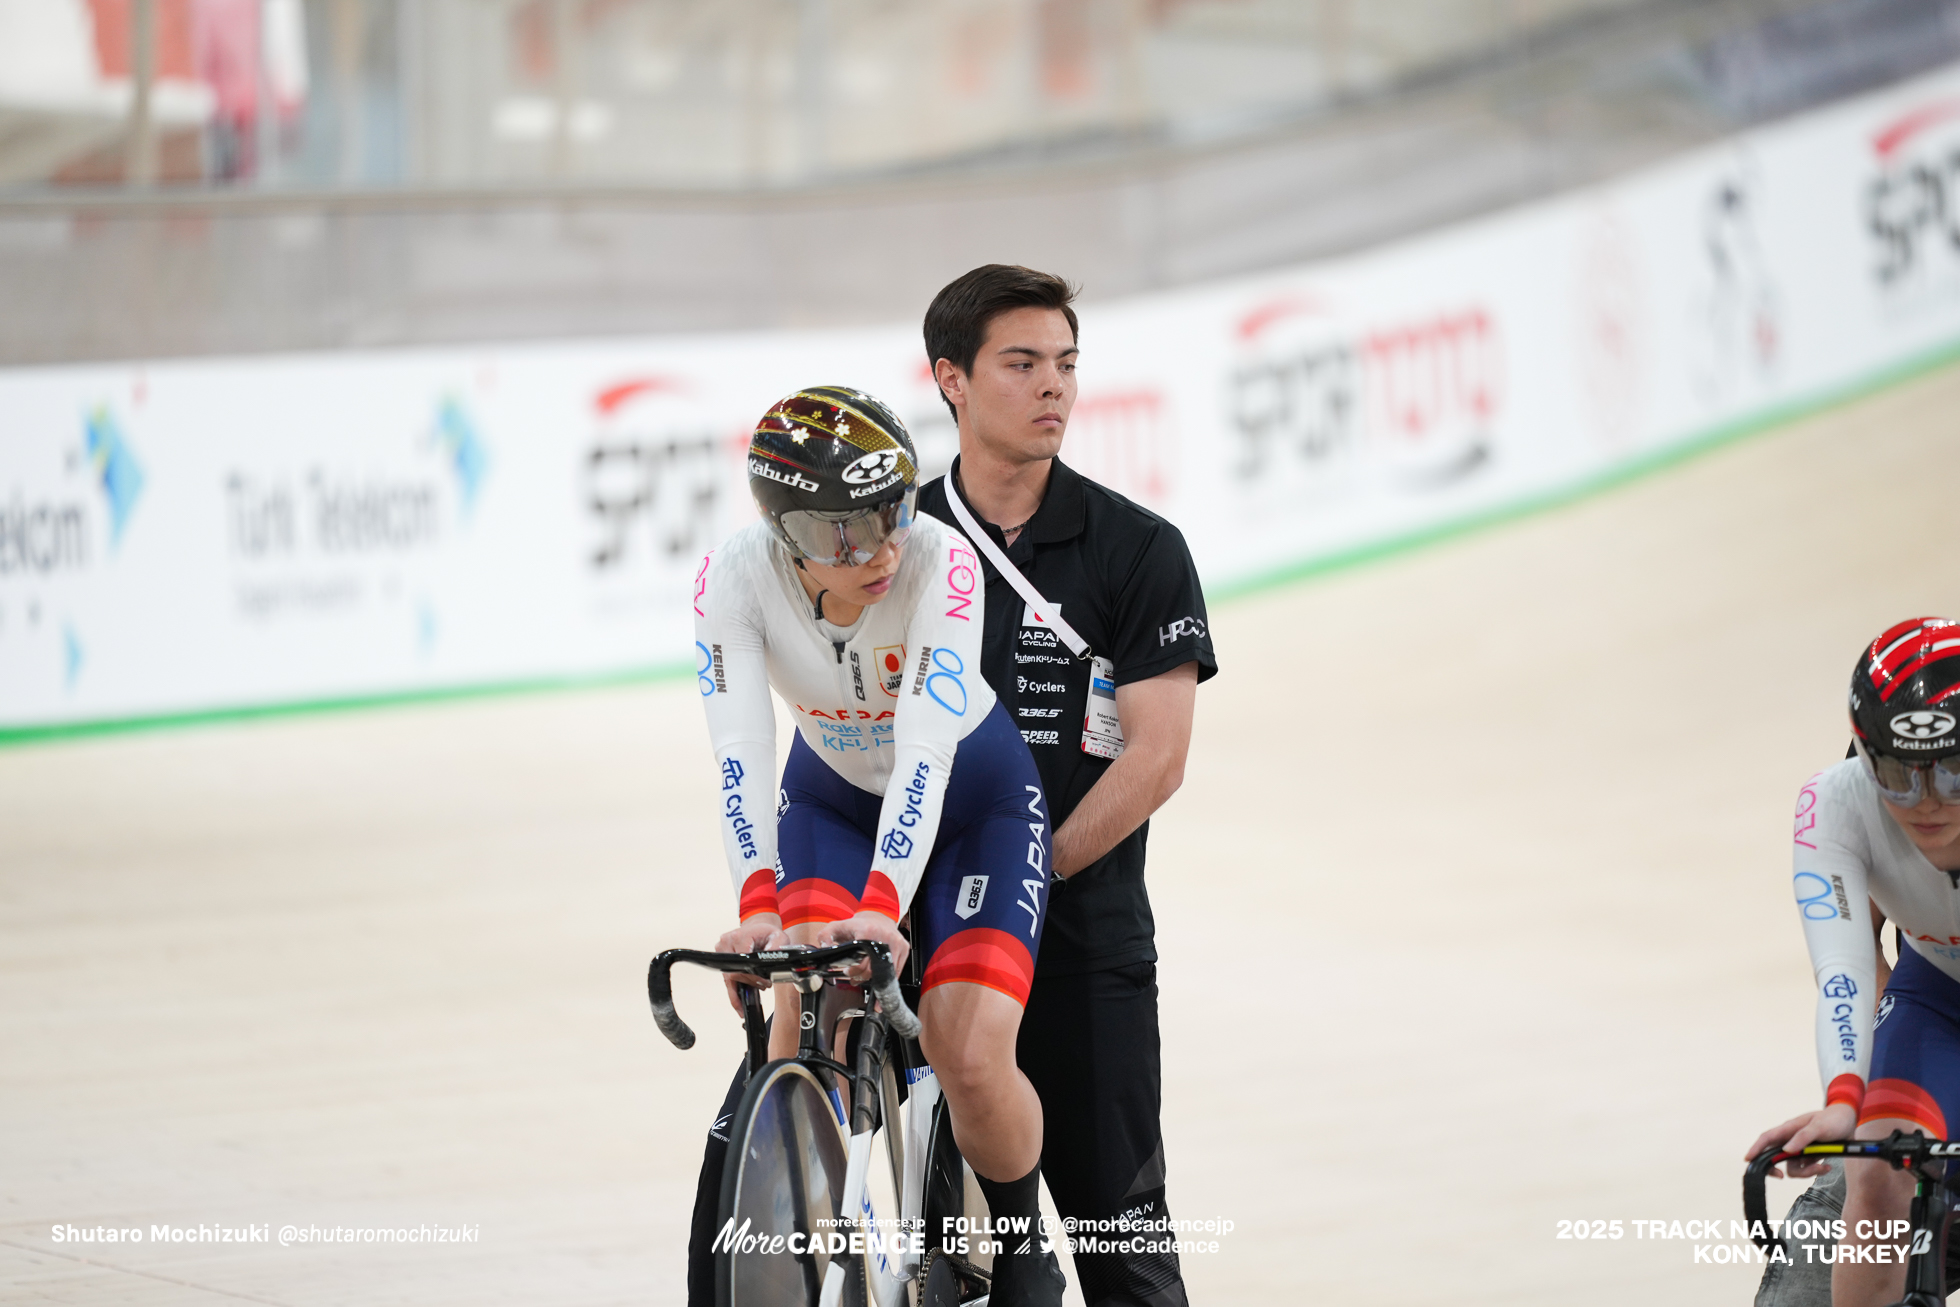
<point>1883,828</point>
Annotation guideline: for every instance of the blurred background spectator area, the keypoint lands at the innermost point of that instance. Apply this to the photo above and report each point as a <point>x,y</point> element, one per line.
<point>186,177</point>
<point>745,93</point>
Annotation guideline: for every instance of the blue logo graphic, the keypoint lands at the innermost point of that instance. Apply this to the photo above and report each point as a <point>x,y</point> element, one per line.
<point>71,654</point>
<point>115,469</point>
<point>468,457</point>
<point>1817,904</point>
<point>896,844</point>
<point>951,667</point>
<point>1841,986</point>
<point>701,673</point>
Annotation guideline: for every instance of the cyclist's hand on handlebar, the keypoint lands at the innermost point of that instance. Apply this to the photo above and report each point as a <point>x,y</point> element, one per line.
<point>763,930</point>
<point>872,926</point>
<point>1826,1124</point>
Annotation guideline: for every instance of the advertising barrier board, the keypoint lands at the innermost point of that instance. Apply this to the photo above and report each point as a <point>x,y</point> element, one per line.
<point>231,534</point>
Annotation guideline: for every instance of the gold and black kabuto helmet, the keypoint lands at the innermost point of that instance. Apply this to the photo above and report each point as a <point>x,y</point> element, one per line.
<point>835,475</point>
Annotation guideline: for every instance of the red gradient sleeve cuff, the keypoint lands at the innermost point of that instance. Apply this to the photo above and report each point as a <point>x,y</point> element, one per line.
<point>759,894</point>
<point>880,896</point>
<point>1847,1088</point>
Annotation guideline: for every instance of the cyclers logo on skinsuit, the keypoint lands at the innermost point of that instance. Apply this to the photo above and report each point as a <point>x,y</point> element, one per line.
<point>897,844</point>
<point>915,796</point>
<point>1842,988</point>
<point>731,783</point>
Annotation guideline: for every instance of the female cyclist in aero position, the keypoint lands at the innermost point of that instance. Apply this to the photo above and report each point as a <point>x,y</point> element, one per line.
<point>1884,828</point>
<point>908,787</point>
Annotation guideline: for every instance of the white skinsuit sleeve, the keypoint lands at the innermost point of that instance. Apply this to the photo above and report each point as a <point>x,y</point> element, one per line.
<point>1830,884</point>
<point>734,683</point>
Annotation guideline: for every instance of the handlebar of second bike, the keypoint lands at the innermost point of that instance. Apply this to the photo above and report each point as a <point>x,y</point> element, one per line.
<point>780,965</point>
<point>1904,1151</point>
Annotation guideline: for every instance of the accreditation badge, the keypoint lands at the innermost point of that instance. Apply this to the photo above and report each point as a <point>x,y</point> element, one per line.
<point>1102,734</point>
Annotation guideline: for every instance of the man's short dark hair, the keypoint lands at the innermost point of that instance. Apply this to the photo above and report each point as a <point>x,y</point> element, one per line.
<point>956,321</point>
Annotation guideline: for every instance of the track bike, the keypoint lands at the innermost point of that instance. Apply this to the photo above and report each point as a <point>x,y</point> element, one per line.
<point>1932,1202</point>
<point>801,1178</point>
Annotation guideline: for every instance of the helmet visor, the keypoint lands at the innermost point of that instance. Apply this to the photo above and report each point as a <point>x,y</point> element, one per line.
<point>849,539</point>
<point>1905,783</point>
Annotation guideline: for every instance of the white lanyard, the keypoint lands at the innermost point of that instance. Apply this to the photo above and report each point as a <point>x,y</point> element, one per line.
<point>1046,613</point>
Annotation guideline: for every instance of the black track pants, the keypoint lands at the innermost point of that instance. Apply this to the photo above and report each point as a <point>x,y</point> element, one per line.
<point>1089,1045</point>
<point>707,1197</point>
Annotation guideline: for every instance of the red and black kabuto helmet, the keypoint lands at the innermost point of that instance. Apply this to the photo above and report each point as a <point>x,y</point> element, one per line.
<point>1905,691</point>
<point>834,473</point>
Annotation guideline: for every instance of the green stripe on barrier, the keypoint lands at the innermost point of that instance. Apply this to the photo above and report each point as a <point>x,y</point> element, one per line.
<point>1611,478</point>
<point>13,735</point>
<point>1342,560</point>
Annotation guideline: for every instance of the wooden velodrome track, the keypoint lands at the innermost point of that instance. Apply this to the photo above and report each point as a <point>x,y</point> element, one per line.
<point>1473,909</point>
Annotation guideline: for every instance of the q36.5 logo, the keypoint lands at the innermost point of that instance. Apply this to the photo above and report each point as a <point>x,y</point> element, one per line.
<point>1922,725</point>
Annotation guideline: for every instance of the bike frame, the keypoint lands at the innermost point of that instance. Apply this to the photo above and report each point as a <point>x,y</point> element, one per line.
<point>1932,1202</point>
<point>808,969</point>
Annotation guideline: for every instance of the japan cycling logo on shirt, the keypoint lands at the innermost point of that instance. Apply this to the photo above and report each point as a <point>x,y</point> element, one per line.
<point>1922,725</point>
<point>889,661</point>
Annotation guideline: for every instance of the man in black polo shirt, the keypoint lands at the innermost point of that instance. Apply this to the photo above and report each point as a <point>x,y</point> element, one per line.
<point>1002,343</point>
